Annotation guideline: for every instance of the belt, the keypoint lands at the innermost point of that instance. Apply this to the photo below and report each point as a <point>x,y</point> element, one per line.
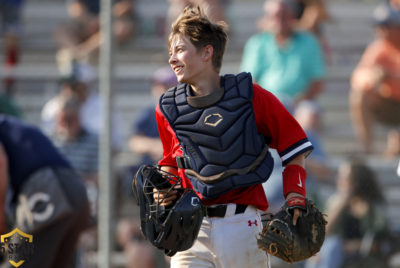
<point>220,211</point>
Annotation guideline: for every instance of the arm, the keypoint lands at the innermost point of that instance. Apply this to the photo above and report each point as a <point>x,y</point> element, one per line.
<point>3,188</point>
<point>141,144</point>
<point>287,137</point>
<point>368,73</point>
<point>168,162</point>
<point>374,68</point>
<point>336,206</point>
<point>298,161</point>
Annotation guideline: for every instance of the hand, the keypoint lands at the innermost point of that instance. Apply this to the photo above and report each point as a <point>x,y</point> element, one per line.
<point>297,203</point>
<point>163,197</point>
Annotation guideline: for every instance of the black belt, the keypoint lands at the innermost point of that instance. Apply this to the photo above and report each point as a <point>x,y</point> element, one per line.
<point>220,210</point>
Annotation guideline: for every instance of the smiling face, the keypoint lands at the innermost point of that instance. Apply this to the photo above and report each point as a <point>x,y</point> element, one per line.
<point>186,61</point>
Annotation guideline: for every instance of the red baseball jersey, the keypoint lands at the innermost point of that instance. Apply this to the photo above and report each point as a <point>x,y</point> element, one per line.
<point>281,131</point>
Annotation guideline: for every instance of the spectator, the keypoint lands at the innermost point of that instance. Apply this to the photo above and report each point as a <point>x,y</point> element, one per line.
<point>395,4</point>
<point>78,80</point>
<point>145,139</point>
<point>79,39</point>
<point>40,193</point>
<point>375,84</point>
<point>287,62</point>
<point>78,145</point>
<point>356,221</point>
<point>10,12</point>
<point>81,148</point>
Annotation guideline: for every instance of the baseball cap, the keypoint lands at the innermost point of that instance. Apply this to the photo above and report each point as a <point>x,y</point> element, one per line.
<point>165,76</point>
<point>384,15</point>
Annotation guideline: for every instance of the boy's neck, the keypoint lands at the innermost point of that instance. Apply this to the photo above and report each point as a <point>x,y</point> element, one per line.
<point>206,86</point>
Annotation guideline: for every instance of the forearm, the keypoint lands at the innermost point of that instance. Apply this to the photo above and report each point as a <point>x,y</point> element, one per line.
<point>294,177</point>
<point>145,145</point>
<point>170,169</point>
<point>334,211</point>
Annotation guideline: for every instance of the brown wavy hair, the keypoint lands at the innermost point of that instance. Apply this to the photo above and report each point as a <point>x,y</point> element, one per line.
<point>194,24</point>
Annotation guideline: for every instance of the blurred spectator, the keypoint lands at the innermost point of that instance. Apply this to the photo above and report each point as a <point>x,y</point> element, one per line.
<point>375,84</point>
<point>80,39</point>
<point>40,194</point>
<point>145,139</point>
<point>10,12</point>
<point>308,114</point>
<point>287,62</point>
<point>138,251</point>
<point>357,221</point>
<point>78,145</point>
<point>78,81</point>
<point>395,4</point>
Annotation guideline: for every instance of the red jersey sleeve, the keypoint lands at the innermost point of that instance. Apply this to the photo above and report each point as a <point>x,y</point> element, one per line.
<point>281,131</point>
<point>168,139</point>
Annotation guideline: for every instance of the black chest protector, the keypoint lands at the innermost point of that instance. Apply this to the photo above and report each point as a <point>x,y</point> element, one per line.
<point>218,136</point>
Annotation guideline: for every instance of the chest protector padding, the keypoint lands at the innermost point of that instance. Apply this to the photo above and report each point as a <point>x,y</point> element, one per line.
<point>219,139</point>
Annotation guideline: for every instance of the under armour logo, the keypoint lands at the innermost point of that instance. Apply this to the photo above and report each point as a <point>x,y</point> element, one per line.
<point>251,223</point>
<point>213,119</point>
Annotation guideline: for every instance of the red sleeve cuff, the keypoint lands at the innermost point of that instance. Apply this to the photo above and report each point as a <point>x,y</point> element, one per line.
<point>294,180</point>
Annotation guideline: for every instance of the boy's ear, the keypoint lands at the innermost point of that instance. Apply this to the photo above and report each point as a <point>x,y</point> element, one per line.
<point>208,52</point>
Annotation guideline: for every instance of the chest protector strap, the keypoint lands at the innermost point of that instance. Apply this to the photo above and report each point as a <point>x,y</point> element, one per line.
<point>218,136</point>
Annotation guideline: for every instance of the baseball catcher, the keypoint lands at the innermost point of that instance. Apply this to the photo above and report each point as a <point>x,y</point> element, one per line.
<point>290,242</point>
<point>172,228</point>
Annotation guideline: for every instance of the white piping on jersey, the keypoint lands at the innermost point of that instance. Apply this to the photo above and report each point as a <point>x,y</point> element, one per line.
<point>296,150</point>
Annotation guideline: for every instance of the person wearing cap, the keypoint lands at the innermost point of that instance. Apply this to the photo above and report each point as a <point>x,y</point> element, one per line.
<point>145,140</point>
<point>375,84</point>
<point>77,80</point>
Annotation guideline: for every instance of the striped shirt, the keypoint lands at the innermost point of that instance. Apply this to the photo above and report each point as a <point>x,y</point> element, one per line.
<point>82,152</point>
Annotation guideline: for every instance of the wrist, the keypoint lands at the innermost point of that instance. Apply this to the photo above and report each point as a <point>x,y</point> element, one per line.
<point>296,201</point>
<point>294,180</point>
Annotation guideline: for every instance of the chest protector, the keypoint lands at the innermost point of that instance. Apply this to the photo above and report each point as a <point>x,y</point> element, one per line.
<point>218,136</point>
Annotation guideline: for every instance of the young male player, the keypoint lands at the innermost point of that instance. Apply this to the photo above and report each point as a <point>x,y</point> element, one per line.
<point>216,131</point>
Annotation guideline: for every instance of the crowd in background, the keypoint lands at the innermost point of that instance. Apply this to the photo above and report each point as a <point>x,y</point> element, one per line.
<point>290,56</point>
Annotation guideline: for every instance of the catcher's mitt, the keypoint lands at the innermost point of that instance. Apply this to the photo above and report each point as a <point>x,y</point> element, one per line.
<point>291,243</point>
